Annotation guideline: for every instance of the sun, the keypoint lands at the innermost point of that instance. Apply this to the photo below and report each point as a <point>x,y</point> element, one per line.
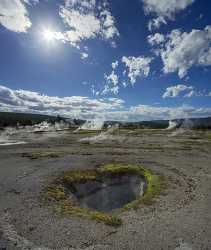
<point>48,35</point>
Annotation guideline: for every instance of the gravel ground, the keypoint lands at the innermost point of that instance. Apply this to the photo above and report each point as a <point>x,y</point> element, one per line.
<point>179,219</point>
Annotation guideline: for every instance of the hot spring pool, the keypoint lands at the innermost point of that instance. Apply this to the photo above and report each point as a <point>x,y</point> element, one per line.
<point>108,193</point>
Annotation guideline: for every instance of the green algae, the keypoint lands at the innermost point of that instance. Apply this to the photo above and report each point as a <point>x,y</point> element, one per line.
<point>66,206</point>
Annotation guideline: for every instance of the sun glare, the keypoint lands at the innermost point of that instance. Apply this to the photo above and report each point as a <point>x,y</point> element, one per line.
<point>48,35</point>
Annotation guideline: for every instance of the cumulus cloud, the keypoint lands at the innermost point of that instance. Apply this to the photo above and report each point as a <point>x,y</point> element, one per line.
<point>182,50</point>
<point>87,20</point>
<point>28,101</point>
<point>83,4</point>
<point>155,23</point>
<point>175,91</point>
<point>14,15</point>
<point>152,112</point>
<point>83,26</point>
<point>137,67</point>
<point>86,108</point>
<point>183,91</point>
<point>147,112</point>
<point>157,38</point>
<point>164,9</point>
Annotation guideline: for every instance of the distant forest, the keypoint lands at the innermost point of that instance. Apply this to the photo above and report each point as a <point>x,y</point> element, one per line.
<point>191,123</point>
<point>23,119</point>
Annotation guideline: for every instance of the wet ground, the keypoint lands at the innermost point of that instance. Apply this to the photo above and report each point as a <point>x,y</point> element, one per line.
<point>179,219</point>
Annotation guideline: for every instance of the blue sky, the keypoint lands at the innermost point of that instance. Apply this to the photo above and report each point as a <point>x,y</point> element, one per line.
<point>123,60</point>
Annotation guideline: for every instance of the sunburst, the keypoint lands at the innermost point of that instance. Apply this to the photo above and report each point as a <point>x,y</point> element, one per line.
<point>48,35</point>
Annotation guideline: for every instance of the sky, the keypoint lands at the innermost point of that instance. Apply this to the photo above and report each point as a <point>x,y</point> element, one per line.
<point>128,60</point>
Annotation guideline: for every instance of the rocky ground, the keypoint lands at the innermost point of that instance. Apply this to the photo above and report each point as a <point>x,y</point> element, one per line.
<point>180,218</point>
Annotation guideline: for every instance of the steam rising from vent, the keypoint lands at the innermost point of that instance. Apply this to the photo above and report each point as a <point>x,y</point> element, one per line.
<point>6,137</point>
<point>96,124</point>
<point>47,127</point>
<point>6,141</point>
<point>186,125</point>
<point>107,135</point>
<point>10,135</point>
<point>172,125</point>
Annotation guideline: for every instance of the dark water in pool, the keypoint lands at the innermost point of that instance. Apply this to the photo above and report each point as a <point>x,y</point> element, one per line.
<point>107,194</point>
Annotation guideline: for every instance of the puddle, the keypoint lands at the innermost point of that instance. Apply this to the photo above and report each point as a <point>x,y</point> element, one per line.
<point>109,193</point>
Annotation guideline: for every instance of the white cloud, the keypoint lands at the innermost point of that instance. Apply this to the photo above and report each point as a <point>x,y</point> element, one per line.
<point>183,91</point>
<point>86,108</point>
<point>155,23</point>
<point>157,38</point>
<point>110,89</point>
<point>84,55</point>
<point>108,29</point>
<point>14,15</point>
<point>152,112</point>
<point>137,67</point>
<point>146,112</point>
<point>83,26</point>
<point>31,2</point>
<point>28,101</point>
<point>112,78</point>
<point>87,20</point>
<point>182,50</point>
<point>134,67</point>
<point>193,93</point>
<point>111,85</point>
<point>115,64</point>
<point>83,4</point>
<point>175,91</point>
<point>164,9</point>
